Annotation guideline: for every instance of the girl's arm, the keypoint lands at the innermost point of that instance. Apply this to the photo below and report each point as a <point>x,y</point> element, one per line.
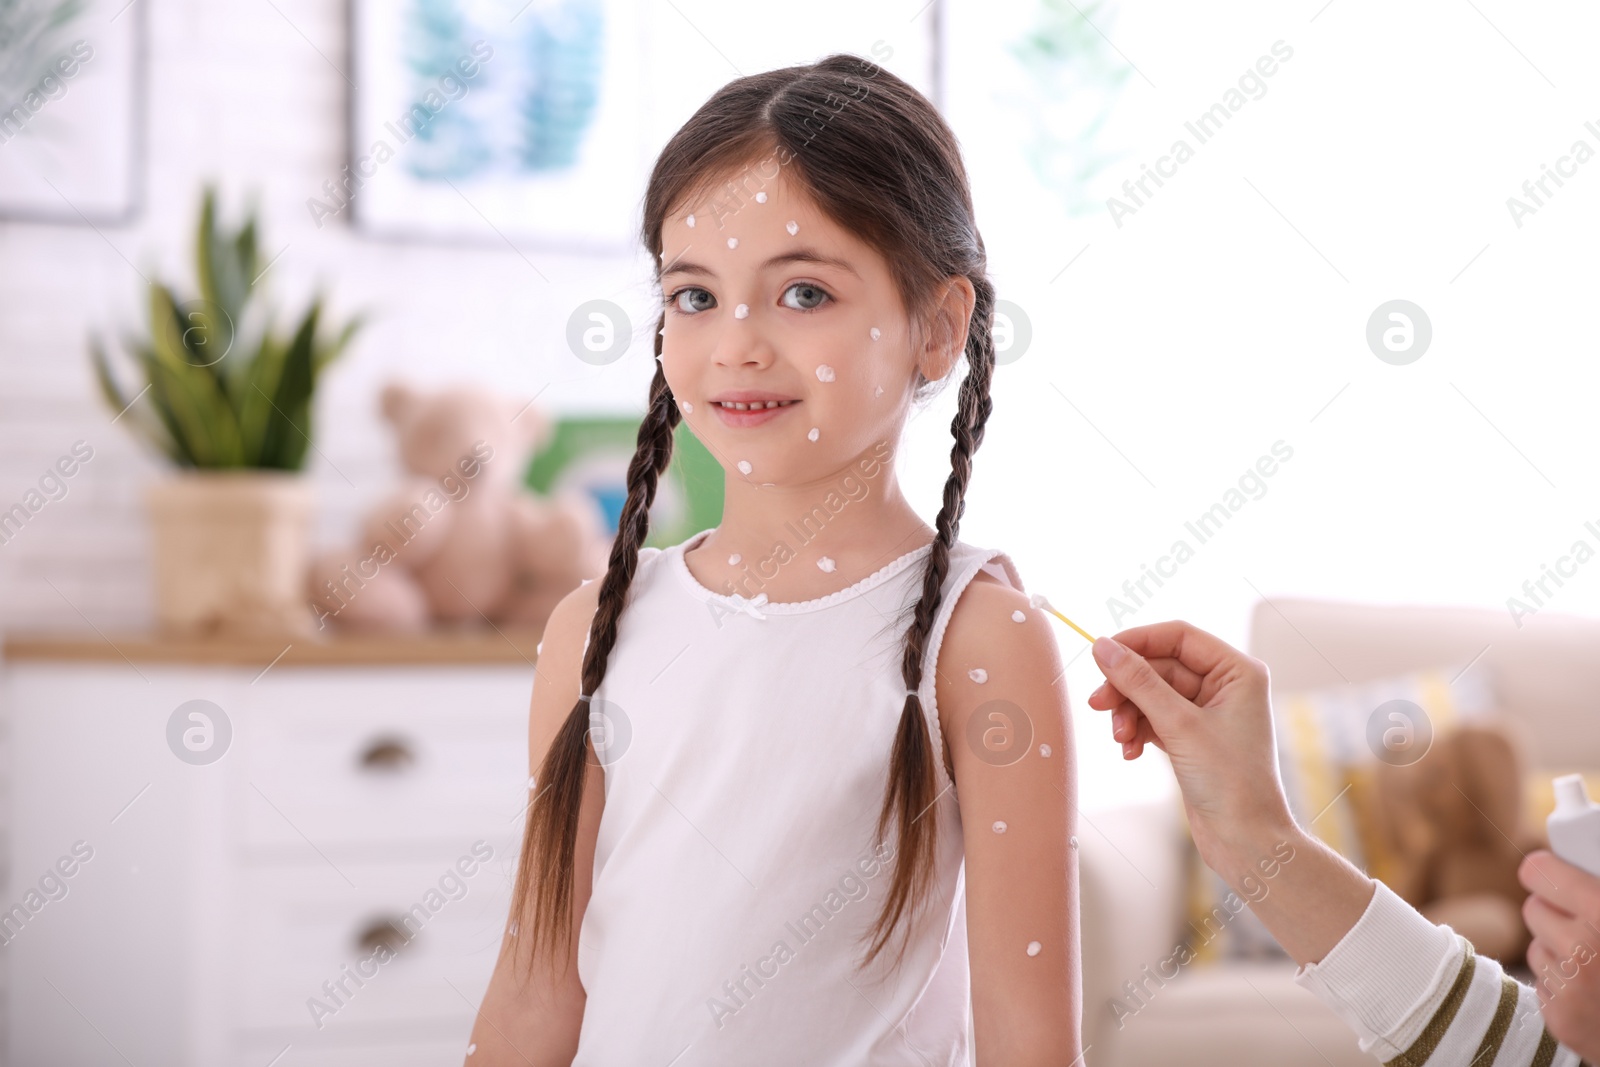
<point>531,1018</point>
<point>1022,880</point>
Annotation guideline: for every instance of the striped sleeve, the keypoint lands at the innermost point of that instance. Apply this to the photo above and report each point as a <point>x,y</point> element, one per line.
<point>1416,994</point>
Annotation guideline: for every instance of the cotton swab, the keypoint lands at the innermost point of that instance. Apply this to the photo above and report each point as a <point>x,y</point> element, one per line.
<point>1040,602</point>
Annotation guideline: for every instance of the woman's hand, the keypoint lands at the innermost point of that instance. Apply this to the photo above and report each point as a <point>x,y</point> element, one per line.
<point>1564,915</point>
<point>1204,703</point>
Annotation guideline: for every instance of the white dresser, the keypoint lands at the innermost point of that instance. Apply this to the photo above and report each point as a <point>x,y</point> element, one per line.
<point>331,890</point>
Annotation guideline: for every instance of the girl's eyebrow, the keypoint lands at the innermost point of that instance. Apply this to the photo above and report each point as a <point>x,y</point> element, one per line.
<point>798,255</point>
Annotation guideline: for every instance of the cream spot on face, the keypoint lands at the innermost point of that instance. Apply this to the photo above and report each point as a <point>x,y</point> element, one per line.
<point>876,333</point>
<point>1018,616</point>
<point>1044,750</point>
<point>978,674</point>
<point>472,1048</point>
<point>744,466</point>
<point>793,227</point>
<point>733,242</point>
<point>688,408</point>
<point>761,197</point>
<point>999,826</point>
<point>825,373</point>
<point>742,311</point>
<point>690,221</point>
<point>877,392</point>
<point>733,560</point>
<point>826,564</point>
<point>814,434</point>
<point>1034,948</point>
<point>1073,841</point>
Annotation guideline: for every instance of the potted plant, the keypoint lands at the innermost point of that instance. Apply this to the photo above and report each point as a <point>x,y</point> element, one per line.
<point>227,398</point>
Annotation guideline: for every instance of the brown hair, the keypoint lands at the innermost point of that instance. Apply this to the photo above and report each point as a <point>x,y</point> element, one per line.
<point>878,159</point>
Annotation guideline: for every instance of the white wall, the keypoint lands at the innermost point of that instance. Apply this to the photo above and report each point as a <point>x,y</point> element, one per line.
<point>1230,310</point>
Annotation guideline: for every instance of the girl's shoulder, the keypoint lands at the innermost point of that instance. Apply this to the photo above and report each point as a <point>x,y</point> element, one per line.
<point>977,565</point>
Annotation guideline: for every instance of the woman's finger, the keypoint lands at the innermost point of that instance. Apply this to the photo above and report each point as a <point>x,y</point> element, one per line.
<point>1183,681</point>
<point>1201,652</point>
<point>1557,930</point>
<point>1139,682</point>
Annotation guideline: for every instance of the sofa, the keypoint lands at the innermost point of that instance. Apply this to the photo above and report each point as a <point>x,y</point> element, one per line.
<point>1133,860</point>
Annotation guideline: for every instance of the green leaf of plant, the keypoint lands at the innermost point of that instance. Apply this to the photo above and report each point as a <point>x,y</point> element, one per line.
<point>210,400</point>
<point>199,403</point>
<point>295,386</point>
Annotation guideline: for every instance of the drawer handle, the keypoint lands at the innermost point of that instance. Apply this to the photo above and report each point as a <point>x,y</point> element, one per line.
<point>381,933</point>
<point>387,755</point>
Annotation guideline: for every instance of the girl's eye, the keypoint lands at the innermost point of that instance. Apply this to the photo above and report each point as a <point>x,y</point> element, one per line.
<point>807,292</point>
<point>698,307</point>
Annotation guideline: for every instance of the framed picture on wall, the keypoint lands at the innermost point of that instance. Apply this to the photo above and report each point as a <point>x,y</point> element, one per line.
<point>71,102</point>
<point>495,120</point>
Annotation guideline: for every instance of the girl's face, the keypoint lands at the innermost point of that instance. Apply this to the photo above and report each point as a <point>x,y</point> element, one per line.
<point>773,301</point>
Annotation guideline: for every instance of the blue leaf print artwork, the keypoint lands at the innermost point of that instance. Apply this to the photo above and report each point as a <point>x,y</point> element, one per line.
<point>450,144</point>
<point>563,49</point>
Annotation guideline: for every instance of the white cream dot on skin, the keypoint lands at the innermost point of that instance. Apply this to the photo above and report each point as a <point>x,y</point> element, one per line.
<point>793,228</point>
<point>733,560</point>
<point>978,674</point>
<point>826,564</point>
<point>742,311</point>
<point>688,408</point>
<point>1018,616</point>
<point>876,333</point>
<point>814,434</point>
<point>690,221</point>
<point>999,826</point>
<point>744,466</point>
<point>825,373</point>
<point>877,392</point>
<point>472,1048</point>
<point>1073,841</point>
<point>1044,750</point>
<point>733,242</point>
<point>761,197</point>
<point>513,928</point>
<point>1034,948</point>
<point>532,784</point>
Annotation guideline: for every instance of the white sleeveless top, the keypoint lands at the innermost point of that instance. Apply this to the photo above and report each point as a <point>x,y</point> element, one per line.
<point>745,747</point>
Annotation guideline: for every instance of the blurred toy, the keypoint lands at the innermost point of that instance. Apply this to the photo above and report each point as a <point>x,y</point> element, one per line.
<point>1444,821</point>
<point>461,541</point>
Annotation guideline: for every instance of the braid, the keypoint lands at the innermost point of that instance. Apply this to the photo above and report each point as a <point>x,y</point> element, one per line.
<point>912,774</point>
<point>549,843</point>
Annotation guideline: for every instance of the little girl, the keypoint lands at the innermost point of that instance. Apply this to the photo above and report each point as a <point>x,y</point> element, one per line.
<point>820,726</point>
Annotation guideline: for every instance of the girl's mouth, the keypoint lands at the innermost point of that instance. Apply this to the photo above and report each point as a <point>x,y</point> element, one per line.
<point>742,415</point>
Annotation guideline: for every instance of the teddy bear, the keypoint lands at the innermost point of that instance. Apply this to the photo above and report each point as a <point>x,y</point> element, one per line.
<point>1451,829</point>
<point>460,541</point>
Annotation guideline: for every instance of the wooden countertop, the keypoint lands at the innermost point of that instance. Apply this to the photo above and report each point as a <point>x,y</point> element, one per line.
<point>440,648</point>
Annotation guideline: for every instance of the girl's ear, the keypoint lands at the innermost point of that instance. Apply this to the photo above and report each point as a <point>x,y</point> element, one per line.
<point>950,320</point>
